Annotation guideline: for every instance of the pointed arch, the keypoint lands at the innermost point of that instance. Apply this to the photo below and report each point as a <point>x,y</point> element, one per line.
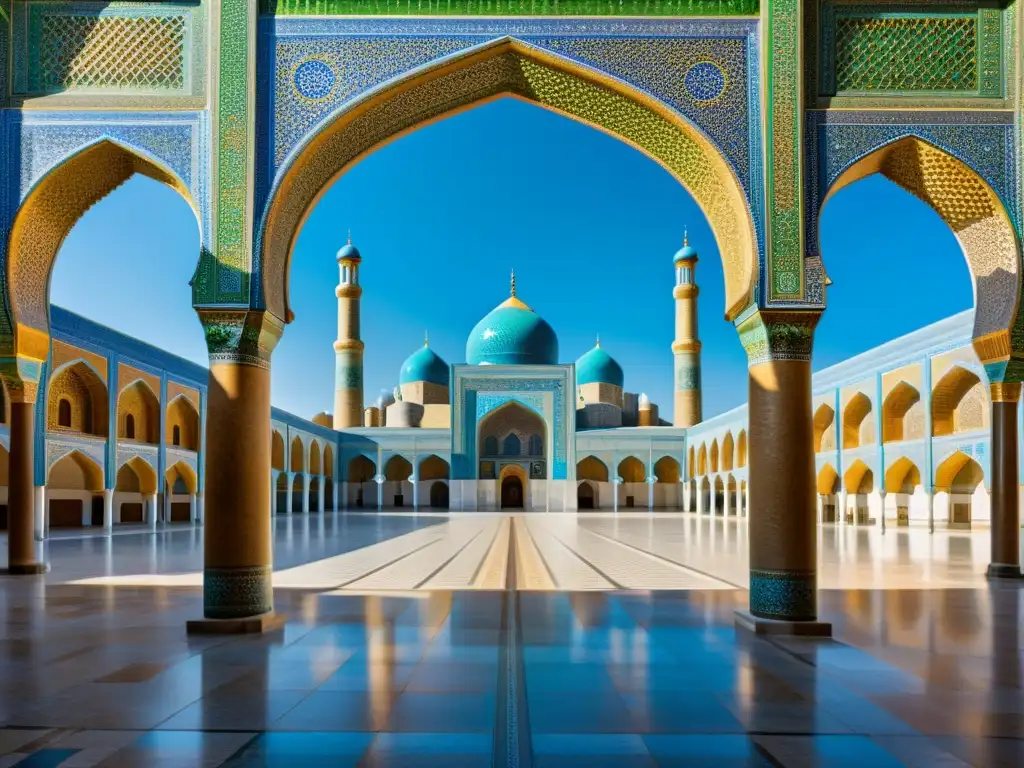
<point>183,472</point>
<point>959,474</point>
<point>47,214</point>
<point>138,413</point>
<point>76,471</point>
<point>297,455</point>
<point>828,480</point>
<point>361,469</point>
<point>315,467</point>
<point>857,427</point>
<point>741,449</point>
<point>859,478</point>
<point>702,459</point>
<point>183,422</point>
<point>592,468</point>
<point>895,410</point>
<point>902,476</point>
<point>824,428</point>
<point>959,403</point>
<point>691,463</point>
<point>506,430</point>
<point>728,449</point>
<point>397,469</point>
<point>714,455</point>
<point>666,470</point>
<point>77,400</point>
<point>329,461</point>
<point>975,213</point>
<point>509,67</point>
<point>632,470</point>
<point>277,451</point>
<point>434,468</point>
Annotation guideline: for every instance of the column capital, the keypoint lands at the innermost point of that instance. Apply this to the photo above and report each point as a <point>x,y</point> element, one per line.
<point>776,335</point>
<point>1004,391</point>
<point>242,337</point>
<point>21,375</point>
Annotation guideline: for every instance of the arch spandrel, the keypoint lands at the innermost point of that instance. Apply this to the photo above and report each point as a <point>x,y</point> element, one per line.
<point>979,219</point>
<point>48,212</point>
<point>512,68</point>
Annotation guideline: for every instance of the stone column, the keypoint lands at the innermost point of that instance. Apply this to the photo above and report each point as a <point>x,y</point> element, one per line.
<point>931,507</point>
<point>726,506</point>
<point>21,519</point>
<point>320,495</point>
<point>881,517</point>
<point>415,480</point>
<point>237,553</point>
<point>108,509</point>
<point>782,534</point>
<point>289,493</point>
<point>150,507</point>
<point>1005,500</point>
<point>199,509</point>
<point>193,511</point>
<point>713,501</point>
<point>305,493</point>
<point>699,490</point>
<point>39,511</point>
<point>650,492</point>
<point>273,494</point>
<point>616,482</point>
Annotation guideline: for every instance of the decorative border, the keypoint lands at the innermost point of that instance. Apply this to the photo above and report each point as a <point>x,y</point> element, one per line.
<point>149,453</point>
<point>237,593</point>
<point>784,595</point>
<point>509,8</point>
<point>57,447</point>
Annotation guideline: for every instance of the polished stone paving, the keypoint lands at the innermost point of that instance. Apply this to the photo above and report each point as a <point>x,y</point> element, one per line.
<point>102,673</point>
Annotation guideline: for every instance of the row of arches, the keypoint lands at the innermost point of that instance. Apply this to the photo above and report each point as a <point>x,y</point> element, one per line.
<point>398,489</point>
<point>732,455</point>
<point>75,494</point>
<point>959,403</point>
<point>78,402</point>
<point>957,497</point>
<point>595,490</point>
<point>317,462</point>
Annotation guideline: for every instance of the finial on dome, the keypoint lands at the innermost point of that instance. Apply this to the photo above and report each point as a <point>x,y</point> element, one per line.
<point>686,238</point>
<point>426,338</point>
<point>598,344</point>
<point>513,294</point>
<point>350,235</point>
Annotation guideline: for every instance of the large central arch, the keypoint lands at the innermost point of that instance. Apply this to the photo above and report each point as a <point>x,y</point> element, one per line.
<point>511,68</point>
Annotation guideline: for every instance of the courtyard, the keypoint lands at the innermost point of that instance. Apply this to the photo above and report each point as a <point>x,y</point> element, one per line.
<point>465,640</point>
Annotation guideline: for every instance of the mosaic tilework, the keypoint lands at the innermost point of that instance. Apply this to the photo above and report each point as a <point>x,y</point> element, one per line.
<point>784,258</point>
<point>487,403</point>
<point>231,593</point>
<point>911,49</point>
<point>790,596</point>
<point>5,48</point>
<point>510,7</point>
<point>768,336</point>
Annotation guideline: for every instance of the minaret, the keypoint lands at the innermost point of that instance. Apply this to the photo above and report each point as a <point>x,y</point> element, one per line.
<point>686,347</point>
<point>348,349</point>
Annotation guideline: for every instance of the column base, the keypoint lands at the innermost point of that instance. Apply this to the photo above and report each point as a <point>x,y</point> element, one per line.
<point>759,626</point>
<point>26,569</point>
<point>1003,571</point>
<point>250,625</point>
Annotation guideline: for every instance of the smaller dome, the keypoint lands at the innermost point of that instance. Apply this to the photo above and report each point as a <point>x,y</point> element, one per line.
<point>687,251</point>
<point>424,365</point>
<point>349,251</point>
<point>598,367</point>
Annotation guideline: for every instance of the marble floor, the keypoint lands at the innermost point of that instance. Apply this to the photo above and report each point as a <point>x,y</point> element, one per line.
<point>533,641</point>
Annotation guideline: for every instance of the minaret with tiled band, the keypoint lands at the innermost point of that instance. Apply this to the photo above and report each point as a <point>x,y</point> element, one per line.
<point>348,349</point>
<point>686,347</point>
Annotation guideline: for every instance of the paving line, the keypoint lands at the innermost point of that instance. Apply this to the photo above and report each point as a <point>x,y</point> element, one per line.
<point>417,567</point>
<point>568,569</point>
<point>531,570</point>
<point>460,572</point>
<point>493,571</point>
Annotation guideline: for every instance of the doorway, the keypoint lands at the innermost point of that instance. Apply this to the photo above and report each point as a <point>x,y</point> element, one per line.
<point>511,493</point>
<point>439,495</point>
<point>585,496</point>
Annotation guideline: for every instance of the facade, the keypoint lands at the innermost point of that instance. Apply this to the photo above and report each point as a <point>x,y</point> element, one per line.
<point>761,109</point>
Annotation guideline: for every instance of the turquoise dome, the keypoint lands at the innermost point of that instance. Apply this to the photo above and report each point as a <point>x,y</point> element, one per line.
<point>512,334</point>
<point>424,365</point>
<point>598,367</point>
<point>686,252</point>
<point>349,251</point>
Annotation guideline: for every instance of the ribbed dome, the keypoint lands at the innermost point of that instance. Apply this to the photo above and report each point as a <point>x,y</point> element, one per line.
<point>598,367</point>
<point>424,365</point>
<point>512,334</point>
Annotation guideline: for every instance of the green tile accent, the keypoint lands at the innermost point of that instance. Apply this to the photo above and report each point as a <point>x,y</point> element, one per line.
<point>510,7</point>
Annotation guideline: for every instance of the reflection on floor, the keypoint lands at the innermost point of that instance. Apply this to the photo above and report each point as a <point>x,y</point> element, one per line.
<point>105,676</point>
<point>370,552</point>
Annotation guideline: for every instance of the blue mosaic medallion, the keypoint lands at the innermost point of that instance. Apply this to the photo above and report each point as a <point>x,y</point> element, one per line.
<point>314,79</point>
<point>704,81</point>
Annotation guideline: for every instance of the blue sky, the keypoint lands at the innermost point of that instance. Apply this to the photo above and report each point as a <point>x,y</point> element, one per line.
<point>442,215</point>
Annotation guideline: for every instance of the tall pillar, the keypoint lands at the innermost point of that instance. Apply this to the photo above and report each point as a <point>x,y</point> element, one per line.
<point>150,507</point>
<point>415,480</point>
<point>40,512</point>
<point>273,494</point>
<point>348,348</point>
<point>334,495</point>
<point>650,492</point>
<point>320,495</point>
<point>305,493</point>
<point>726,505</point>
<point>686,345</point>
<point>108,509</point>
<point>782,534</point>
<point>193,510</point>
<point>21,518</point>
<point>200,514</point>
<point>237,554</point>
<point>289,499</point>
<point>1005,482</point>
